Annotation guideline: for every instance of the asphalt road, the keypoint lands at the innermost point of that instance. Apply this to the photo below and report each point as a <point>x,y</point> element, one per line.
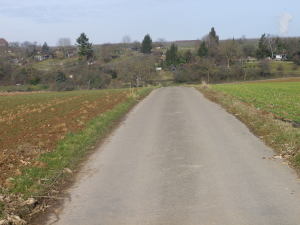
<point>179,159</point>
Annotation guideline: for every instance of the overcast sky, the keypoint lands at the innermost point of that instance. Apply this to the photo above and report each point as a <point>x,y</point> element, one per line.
<point>109,20</point>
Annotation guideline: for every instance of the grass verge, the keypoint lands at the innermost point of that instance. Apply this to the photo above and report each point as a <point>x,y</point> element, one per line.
<point>281,136</point>
<point>50,168</point>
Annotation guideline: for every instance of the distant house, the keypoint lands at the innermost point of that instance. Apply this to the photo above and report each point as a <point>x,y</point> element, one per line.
<point>91,62</point>
<point>3,43</point>
<point>15,61</point>
<point>38,57</point>
<point>70,54</point>
<point>41,57</point>
<point>251,59</point>
<point>281,57</point>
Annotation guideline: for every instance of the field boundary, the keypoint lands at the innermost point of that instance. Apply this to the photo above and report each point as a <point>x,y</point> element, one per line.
<point>38,184</point>
<point>277,134</point>
<point>264,80</point>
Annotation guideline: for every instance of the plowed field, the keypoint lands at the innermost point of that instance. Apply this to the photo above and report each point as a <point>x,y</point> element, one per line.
<point>32,124</point>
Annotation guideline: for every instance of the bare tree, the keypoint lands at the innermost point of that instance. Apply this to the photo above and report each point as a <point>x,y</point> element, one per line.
<point>14,44</point>
<point>64,42</point>
<point>137,70</point>
<point>161,42</point>
<point>230,50</point>
<point>26,44</point>
<point>31,48</point>
<point>126,39</point>
<point>209,67</point>
<point>271,43</point>
<point>65,46</point>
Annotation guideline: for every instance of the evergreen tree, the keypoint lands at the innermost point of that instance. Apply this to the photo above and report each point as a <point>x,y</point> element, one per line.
<point>280,45</point>
<point>84,47</point>
<point>172,55</point>
<point>213,35</point>
<point>203,50</point>
<point>263,50</point>
<point>45,48</point>
<point>147,44</point>
<point>212,43</point>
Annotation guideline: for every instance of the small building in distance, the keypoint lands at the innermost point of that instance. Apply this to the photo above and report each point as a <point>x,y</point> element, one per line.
<point>251,59</point>
<point>281,57</point>
<point>3,43</point>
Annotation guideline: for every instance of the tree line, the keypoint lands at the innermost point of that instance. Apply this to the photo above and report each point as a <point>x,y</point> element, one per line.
<point>91,67</point>
<point>134,63</point>
<point>213,60</point>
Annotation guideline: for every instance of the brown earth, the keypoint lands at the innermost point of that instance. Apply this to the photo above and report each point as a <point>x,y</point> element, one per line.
<point>27,130</point>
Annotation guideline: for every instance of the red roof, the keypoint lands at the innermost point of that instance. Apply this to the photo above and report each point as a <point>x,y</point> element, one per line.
<point>3,42</point>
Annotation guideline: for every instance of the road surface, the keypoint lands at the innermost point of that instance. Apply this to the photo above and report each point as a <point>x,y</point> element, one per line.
<point>179,159</point>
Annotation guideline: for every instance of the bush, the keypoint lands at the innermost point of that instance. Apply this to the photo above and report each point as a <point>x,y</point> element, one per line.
<point>60,77</point>
<point>189,73</point>
<point>296,58</point>
<point>98,81</point>
<point>264,68</point>
<point>280,68</point>
<point>35,81</point>
<point>294,67</point>
<point>63,86</point>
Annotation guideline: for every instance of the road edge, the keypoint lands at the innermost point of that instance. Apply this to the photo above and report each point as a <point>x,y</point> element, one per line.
<point>282,137</point>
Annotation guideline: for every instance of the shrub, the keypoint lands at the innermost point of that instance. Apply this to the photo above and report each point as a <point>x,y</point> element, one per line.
<point>294,67</point>
<point>35,81</point>
<point>264,68</point>
<point>296,58</point>
<point>280,68</point>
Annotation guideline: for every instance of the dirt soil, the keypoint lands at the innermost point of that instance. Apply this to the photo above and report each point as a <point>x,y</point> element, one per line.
<point>28,130</point>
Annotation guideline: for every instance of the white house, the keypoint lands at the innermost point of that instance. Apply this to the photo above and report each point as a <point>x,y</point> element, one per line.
<point>251,59</point>
<point>39,58</point>
<point>280,57</point>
